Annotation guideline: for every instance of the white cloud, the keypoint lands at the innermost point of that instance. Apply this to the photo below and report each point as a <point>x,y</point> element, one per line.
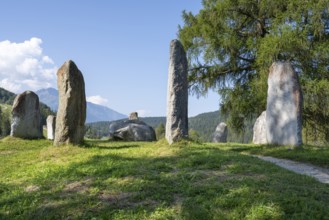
<point>23,66</point>
<point>97,99</point>
<point>46,59</point>
<point>5,83</point>
<point>28,66</point>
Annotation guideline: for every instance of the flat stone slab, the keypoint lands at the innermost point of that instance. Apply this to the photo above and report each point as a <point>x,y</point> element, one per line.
<point>320,174</point>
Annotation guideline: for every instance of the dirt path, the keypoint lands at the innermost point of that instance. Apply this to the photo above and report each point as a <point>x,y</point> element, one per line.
<point>320,174</point>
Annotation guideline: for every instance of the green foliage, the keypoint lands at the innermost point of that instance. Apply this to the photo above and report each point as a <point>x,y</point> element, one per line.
<point>97,130</point>
<point>6,97</point>
<point>1,122</point>
<point>45,111</point>
<point>205,124</point>
<point>5,119</point>
<point>316,111</point>
<point>160,131</point>
<point>231,45</point>
<point>121,180</point>
<point>194,135</point>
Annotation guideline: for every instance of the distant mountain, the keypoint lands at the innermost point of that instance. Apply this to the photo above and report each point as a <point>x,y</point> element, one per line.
<point>49,97</point>
<point>102,113</point>
<point>95,112</point>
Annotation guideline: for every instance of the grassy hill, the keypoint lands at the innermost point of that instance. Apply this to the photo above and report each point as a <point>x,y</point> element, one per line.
<point>137,180</point>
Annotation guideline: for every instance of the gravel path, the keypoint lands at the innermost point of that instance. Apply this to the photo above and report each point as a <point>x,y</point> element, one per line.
<point>320,174</point>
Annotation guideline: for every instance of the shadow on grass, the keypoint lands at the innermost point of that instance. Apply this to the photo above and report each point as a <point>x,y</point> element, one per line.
<point>119,147</point>
<point>242,149</point>
<point>103,144</point>
<point>194,183</point>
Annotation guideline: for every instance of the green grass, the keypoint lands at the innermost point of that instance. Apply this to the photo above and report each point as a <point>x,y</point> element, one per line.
<point>316,155</point>
<point>137,180</point>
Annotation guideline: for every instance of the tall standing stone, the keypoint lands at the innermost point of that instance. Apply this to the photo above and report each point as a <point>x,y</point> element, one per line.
<point>177,94</point>
<point>284,106</point>
<point>220,134</point>
<point>259,136</point>
<point>26,117</point>
<point>51,126</point>
<point>71,114</point>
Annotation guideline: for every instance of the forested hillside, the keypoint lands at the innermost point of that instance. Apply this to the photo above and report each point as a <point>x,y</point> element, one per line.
<point>204,124</point>
<point>6,97</point>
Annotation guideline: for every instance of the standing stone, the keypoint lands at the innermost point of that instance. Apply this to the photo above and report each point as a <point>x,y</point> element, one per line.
<point>284,106</point>
<point>177,94</point>
<point>259,136</point>
<point>71,114</point>
<point>26,117</point>
<point>133,116</point>
<point>220,135</point>
<point>51,126</point>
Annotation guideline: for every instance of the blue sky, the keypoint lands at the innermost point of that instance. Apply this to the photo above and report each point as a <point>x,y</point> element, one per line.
<point>121,47</point>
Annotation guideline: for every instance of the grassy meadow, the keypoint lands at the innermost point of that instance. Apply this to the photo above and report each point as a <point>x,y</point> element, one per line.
<point>139,180</point>
<point>315,155</point>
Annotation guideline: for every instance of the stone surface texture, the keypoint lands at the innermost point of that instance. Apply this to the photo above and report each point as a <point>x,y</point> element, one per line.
<point>259,135</point>
<point>133,116</point>
<point>51,126</point>
<point>284,106</point>
<point>26,117</point>
<point>71,114</point>
<point>220,134</point>
<point>177,94</point>
<point>136,132</point>
<point>132,130</point>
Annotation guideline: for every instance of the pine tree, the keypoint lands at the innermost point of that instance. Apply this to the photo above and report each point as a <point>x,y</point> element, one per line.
<point>160,131</point>
<point>232,43</point>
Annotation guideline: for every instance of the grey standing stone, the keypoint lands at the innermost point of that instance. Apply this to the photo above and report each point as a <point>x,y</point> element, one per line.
<point>71,114</point>
<point>51,126</point>
<point>26,117</point>
<point>177,94</point>
<point>133,116</point>
<point>284,106</point>
<point>220,134</point>
<point>259,136</point>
